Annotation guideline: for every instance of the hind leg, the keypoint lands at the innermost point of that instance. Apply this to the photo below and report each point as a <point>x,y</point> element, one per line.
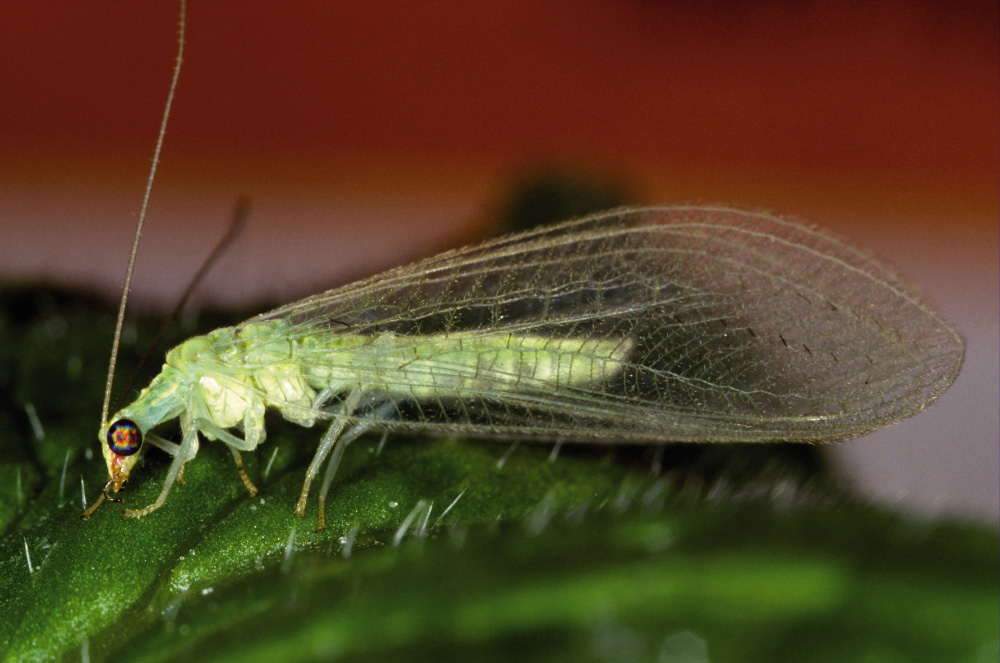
<point>325,446</point>
<point>379,414</point>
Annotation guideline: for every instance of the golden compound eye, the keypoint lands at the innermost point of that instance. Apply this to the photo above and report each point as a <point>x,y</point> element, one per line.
<point>124,437</point>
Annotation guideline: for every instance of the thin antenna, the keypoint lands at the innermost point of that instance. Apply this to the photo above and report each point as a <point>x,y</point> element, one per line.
<point>142,217</point>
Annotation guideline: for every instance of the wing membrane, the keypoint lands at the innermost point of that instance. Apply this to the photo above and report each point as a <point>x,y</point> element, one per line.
<point>740,326</point>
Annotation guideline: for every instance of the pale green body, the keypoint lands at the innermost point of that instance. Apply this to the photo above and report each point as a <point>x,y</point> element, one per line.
<point>231,375</point>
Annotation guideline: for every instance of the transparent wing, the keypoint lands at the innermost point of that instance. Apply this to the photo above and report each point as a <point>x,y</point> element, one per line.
<point>739,326</point>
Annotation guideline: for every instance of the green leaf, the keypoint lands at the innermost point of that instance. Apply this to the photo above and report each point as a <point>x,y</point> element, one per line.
<point>730,554</point>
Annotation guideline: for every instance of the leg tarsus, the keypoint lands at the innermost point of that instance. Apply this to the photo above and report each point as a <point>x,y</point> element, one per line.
<point>252,489</point>
<point>321,518</point>
<point>145,511</point>
<point>300,506</point>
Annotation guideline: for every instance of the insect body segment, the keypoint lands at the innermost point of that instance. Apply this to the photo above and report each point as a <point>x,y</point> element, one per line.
<point>694,324</point>
<point>228,378</point>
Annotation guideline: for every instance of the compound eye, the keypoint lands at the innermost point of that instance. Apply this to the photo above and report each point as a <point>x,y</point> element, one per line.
<point>124,437</point>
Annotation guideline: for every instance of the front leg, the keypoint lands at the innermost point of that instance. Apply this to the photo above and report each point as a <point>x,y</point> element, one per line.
<point>188,444</point>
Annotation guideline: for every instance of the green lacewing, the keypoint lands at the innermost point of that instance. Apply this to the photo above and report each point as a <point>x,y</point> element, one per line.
<point>649,325</point>
<point>690,324</point>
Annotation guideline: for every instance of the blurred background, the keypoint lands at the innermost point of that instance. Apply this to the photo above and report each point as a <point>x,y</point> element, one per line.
<point>372,136</point>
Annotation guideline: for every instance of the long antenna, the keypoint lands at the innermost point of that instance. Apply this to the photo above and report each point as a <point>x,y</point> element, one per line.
<point>142,216</point>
